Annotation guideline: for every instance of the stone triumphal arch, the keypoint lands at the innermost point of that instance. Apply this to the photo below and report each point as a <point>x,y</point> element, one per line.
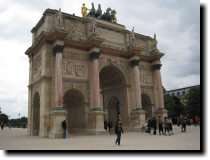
<point>82,67</point>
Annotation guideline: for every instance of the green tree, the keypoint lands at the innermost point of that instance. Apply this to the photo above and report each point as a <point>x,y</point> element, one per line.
<point>3,118</point>
<point>193,102</point>
<point>169,104</point>
<point>179,108</point>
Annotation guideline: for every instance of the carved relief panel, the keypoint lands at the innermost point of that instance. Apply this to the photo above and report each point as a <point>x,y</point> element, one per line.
<point>76,70</point>
<point>36,68</point>
<point>145,73</point>
<point>145,77</point>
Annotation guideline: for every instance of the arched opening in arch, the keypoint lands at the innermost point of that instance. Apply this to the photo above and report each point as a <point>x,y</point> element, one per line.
<point>36,114</point>
<point>74,104</point>
<point>113,89</point>
<point>112,110</point>
<point>146,105</point>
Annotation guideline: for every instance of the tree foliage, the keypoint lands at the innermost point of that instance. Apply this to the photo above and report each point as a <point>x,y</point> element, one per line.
<point>3,118</point>
<point>193,102</point>
<point>169,104</point>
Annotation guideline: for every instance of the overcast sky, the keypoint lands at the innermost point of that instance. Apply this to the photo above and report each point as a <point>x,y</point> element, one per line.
<point>175,22</point>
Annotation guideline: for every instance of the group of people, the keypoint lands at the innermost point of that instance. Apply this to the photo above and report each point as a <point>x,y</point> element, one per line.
<point>118,129</point>
<point>107,124</point>
<point>165,126</point>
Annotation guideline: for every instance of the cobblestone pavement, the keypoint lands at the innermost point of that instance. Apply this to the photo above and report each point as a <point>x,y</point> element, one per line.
<point>17,139</point>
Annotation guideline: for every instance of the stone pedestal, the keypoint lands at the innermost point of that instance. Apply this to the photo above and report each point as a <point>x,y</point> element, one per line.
<point>56,117</point>
<point>96,122</point>
<point>137,119</point>
<point>162,113</point>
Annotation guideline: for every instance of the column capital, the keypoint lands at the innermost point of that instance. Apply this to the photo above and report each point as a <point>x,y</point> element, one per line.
<point>58,48</point>
<point>134,62</point>
<point>94,55</point>
<point>156,66</point>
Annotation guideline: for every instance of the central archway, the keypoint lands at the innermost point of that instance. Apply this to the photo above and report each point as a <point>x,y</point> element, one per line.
<point>112,111</point>
<point>113,89</point>
<point>74,104</point>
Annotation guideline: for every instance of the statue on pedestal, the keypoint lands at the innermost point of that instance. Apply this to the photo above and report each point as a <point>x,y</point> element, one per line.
<point>59,19</point>
<point>84,10</point>
<point>132,37</point>
<point>98,12</point>
<point>113,16</point>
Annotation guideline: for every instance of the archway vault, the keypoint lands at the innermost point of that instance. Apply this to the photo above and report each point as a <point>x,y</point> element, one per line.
<point>36,114</point>
<point>113,89</point>
<point>74,104</point>
<point>146,105</point>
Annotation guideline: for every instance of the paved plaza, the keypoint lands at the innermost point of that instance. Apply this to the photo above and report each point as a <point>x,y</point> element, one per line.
<point>17,139</point>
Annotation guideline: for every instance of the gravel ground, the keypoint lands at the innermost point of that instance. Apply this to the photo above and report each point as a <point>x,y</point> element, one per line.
<point>17,139</point>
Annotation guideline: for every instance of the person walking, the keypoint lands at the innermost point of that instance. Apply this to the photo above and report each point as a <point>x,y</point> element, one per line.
<point>64,128</point>
<point>160,124</point>
<point>184,124</point>
<point>105,125</point>
<point>2,126</point>
<point>149,125</point>
<point>109,125</point>
<point>166,126</point>
<point>118,131</point>
<point>170,126</point>
<point>154,125</point>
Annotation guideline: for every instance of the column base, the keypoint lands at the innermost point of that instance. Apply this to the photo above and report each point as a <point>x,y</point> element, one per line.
<point>137,119</point>
<point>96,122</point>
<point>57,115</point>
<point>162,112</point>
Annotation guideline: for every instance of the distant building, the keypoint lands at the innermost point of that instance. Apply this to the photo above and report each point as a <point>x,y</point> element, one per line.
<point>181,92</point>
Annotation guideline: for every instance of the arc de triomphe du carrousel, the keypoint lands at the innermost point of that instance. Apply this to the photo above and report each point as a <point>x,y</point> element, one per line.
<point>81,67</point>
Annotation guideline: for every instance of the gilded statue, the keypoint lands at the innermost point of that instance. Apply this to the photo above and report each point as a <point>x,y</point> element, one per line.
<point>113,16</point>
<point>109,15</point>
<point>84,10</point>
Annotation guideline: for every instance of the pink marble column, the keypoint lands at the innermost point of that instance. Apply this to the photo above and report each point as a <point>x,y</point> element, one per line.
<point>159,85</point>
<point>135,64</point>
<point>58,49</point>
<point>95,75</point>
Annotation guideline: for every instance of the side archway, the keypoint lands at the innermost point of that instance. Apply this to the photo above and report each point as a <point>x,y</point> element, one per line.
<point>36,114</point>
<point>146,105</point>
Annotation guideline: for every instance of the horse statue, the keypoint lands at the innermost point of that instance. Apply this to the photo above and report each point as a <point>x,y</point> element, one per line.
<point>107,16</point>
<point>92,11</point>
<point>98,12</point>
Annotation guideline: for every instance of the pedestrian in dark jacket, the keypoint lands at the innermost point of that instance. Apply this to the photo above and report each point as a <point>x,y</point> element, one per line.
<point>118,131</point>
<point>154,125</point>
<point>160,124</point>
<point>166,125</point>
<point>64,128</point>
<point>170,125</point>
<point>2,126</point>
<point>105,124</point>
<point>109,125</point>
<point>150,125</point>
<point>183,123</point>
